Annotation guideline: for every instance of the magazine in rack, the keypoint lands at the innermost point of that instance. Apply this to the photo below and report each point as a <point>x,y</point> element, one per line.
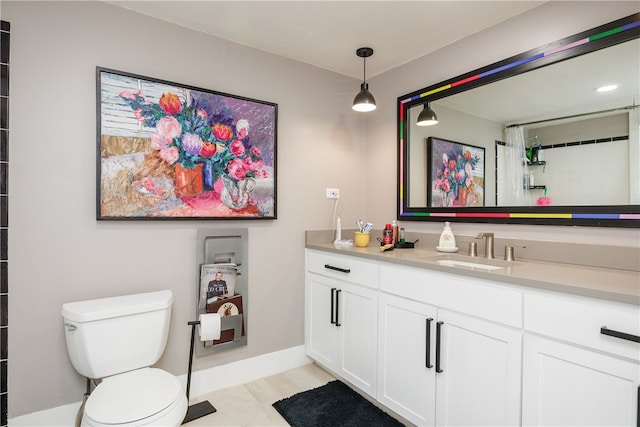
<point>217,281</point>
<point>217,295</point>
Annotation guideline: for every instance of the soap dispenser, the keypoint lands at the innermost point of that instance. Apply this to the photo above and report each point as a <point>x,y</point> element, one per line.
<point>447,239</point>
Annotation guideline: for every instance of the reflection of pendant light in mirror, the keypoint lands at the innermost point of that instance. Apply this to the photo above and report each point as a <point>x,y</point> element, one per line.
<point>364,101</point>
<point>427,117</point>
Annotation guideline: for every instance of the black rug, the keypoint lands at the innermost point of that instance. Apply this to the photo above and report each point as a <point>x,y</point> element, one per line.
<point>332,405</point>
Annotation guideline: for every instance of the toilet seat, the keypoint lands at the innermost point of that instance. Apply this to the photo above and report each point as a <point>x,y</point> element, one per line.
<point>139,397</point>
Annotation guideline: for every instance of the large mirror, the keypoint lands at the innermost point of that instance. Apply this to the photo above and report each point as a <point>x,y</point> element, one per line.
<point>529,139</point>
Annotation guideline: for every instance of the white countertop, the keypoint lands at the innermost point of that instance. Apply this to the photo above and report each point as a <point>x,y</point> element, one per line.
<point>596,282</point>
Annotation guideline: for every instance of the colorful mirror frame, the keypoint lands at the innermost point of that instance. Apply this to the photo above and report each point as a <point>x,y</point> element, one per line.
<point>626,216</point>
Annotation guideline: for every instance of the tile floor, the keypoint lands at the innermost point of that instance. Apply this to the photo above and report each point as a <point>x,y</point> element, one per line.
<point>249,405</point>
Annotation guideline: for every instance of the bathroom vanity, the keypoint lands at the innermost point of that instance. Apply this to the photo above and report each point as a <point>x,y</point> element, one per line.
<point>470,341</point>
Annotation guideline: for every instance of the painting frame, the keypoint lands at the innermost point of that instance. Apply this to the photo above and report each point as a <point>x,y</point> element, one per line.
<point>456,174</point>
<point>172,151</point>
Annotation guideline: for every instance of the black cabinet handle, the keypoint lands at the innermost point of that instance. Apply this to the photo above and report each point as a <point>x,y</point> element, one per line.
<point>333,290</point>
<point>428,339</point>
<point>342,270</point>
<point>438,344</point>
<point>338,307</point>
<point>638,408</point>
<point>617,334</point>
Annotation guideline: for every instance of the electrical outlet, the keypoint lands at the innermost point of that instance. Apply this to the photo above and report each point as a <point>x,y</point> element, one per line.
<point>333,193</point>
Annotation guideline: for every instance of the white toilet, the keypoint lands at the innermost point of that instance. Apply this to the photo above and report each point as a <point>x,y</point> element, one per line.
<point>116,340</point>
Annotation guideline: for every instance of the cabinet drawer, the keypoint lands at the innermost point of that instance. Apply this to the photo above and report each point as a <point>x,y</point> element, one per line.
<point>475,297</point>
<point>579,319</point>
<point>345,268</point>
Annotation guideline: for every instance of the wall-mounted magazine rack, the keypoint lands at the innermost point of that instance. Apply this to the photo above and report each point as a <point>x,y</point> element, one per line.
<point>224,253</point>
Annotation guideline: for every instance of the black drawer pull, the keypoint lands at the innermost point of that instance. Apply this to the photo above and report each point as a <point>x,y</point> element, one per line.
<point>438,344</point>
<point>428,339</point>
<point>341,270</point>
<point>617,334</point>
<point>333,290</point>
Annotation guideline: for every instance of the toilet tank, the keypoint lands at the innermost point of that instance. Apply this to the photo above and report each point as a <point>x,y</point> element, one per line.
<point>113,335</point>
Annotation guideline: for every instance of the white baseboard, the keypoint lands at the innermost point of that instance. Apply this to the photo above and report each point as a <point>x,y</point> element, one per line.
<point>244,371</point>
<point>202,382</point>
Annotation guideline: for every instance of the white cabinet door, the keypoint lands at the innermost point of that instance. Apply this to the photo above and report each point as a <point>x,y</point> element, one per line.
<point>357,320</point>
<point>406,365</point>
<point>341,322</point>
<point>322,335</point>
<point>438,367</point>
<point>566,385</point>
<point>478,380</point>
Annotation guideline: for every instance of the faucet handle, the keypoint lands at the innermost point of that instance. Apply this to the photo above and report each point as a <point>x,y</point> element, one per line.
<point>508,253</point>
<point>473,249</point>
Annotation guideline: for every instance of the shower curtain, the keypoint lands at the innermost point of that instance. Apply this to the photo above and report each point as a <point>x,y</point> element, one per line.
<point>515,169</point>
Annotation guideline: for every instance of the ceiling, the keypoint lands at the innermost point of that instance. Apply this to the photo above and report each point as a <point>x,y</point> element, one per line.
<point>565,88</point>
<point>327,33</point>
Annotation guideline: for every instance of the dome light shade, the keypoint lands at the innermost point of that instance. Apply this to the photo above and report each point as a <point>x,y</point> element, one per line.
<point>427,117</point>
<point>364,100</point>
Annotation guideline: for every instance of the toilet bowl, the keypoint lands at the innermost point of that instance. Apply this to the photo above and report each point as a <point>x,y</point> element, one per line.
<point>117,340</point>
<point>144,397</point>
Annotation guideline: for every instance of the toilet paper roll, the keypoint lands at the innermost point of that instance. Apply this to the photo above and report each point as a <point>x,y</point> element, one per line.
<point>209,327</point>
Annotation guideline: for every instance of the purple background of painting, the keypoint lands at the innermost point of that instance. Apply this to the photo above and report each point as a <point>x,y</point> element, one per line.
<point>228,110</point>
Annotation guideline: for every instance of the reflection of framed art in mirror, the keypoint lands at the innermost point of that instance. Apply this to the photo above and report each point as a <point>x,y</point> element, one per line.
<point>456,173</point>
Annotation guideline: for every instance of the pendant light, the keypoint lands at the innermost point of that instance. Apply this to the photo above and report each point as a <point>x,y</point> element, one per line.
<point>364,101</point>
<point>427,117</point>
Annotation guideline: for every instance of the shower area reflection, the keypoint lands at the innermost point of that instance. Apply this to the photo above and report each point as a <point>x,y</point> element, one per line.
<point>592,161</point>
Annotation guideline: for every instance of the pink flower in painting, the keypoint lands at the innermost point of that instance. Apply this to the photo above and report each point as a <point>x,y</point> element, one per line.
<point>169,155</point>
<point>192,143</point>
<point>169,127</point>
<point>236,169</point>
<point>138,115</point>
<point>159,142</point>
<point>148,184</point>
<point>127,95</point>
<point>256,151</point>
<point>202,113</point>
<point>249,164</point>
<point>237,148</point>
<point>242,128</point>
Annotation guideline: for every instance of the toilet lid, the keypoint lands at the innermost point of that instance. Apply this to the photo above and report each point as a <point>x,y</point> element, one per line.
<point>132,396</point>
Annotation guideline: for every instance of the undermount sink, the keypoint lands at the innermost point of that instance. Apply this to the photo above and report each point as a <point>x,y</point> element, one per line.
<point>475,263</point>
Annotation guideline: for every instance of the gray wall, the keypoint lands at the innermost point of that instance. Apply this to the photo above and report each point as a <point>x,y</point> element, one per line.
<point>60,253</point>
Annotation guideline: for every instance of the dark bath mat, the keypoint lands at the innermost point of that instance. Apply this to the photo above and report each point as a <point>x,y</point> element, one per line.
<point>332,405</point>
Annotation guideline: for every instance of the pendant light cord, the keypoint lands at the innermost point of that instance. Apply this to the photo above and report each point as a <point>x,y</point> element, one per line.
<point>364,74</point>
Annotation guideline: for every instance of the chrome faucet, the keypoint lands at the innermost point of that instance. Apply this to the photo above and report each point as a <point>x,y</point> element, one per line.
<point>488,247</point>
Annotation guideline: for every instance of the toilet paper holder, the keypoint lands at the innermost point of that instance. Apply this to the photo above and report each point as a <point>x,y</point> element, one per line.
<point>200,409</point>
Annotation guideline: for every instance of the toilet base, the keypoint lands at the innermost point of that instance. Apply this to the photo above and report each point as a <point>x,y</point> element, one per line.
<point>198,410</point>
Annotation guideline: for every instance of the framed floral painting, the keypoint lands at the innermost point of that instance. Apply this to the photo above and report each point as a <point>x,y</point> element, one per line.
<point>456,174</point>
<point>172,151</point>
